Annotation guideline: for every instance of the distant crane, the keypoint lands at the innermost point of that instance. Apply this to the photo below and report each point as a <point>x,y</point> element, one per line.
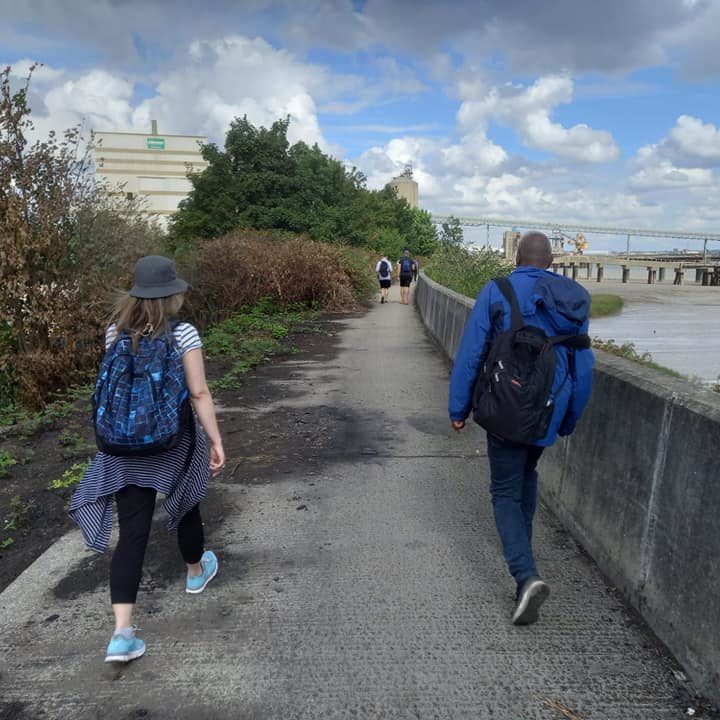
<point>558,239</point>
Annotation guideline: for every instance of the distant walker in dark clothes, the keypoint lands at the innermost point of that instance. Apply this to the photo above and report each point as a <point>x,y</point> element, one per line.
<point>144,318</point>
<point>406,267</point>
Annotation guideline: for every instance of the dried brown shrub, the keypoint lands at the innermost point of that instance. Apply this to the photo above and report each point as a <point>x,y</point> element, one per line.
<point>242,267</point>
<point>64,243</point>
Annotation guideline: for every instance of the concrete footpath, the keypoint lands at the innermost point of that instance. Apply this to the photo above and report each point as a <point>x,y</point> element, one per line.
<point>361,580</point>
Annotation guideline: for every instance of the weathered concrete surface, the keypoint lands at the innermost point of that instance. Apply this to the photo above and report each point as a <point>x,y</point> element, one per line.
<point>386,598</point>
<point>635,484</point>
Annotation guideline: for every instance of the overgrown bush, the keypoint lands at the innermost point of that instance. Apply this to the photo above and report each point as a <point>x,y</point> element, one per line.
<point>240,269</point>
<point>466,270</point>
<point>64,243</point>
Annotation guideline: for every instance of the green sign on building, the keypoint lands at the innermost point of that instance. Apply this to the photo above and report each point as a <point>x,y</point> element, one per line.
<point>155,143</point>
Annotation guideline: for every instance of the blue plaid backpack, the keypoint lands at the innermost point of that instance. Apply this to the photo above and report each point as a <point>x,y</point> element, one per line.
<point>141,402</point>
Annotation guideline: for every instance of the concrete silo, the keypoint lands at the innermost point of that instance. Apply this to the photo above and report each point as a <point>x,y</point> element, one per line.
<point>406,186</point>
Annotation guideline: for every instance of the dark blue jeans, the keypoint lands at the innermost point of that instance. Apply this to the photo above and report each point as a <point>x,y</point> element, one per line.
<point>513,487</point>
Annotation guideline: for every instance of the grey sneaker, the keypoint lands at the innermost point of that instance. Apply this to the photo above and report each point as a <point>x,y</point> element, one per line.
<point>533,593</point>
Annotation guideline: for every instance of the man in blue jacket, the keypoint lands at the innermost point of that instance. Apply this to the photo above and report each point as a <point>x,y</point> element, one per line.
<point>559,306</point>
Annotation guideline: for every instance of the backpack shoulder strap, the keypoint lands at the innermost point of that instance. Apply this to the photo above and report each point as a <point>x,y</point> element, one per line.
<point>506,288</point>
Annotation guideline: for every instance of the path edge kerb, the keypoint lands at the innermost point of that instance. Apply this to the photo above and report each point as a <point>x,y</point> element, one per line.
<point>19,600</point>
<point>633,485</point>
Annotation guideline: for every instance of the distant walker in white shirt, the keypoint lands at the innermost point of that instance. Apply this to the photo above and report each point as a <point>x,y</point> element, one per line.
<point>384,270</point>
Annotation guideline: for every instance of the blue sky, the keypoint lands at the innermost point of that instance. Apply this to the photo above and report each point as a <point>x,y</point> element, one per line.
<point>573,111</point>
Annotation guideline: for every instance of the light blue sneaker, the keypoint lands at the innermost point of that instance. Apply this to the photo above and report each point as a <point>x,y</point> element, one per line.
<point>124,649</point>
<point>209,564</point>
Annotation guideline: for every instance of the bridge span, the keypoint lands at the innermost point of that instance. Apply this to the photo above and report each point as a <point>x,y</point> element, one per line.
<point>576,227</point>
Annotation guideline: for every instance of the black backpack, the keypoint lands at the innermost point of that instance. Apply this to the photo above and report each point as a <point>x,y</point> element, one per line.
<point>384,268</point>
<point>406,266</point>
<point>513,392</point>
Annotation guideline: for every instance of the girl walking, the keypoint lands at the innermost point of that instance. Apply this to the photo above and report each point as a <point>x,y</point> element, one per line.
<point>177,465</point>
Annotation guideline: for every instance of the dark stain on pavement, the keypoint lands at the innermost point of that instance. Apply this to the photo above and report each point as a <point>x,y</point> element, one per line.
<point>13,711</point>
<point>163,565</point>
<point>432,424</point>
<point>277,444</point>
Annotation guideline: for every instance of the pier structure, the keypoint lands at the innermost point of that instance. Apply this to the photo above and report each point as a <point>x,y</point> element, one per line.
<point>705,264</point>
<point>659,267</point>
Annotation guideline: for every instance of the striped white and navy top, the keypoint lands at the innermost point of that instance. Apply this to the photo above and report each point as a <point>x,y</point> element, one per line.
<point>91,506</point>
<point>185,334</point>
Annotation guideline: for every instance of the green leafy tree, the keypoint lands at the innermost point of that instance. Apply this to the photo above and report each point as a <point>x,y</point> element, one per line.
<point>322,193</point>
<point>243,186</point>
<point>452,233</point>
<point>258,180</point>
<point>423,238</point>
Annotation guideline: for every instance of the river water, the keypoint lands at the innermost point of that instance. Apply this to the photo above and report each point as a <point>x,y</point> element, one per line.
<point>678,325</point>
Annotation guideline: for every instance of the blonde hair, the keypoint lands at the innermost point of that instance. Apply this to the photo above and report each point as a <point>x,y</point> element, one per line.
<point>145,316</point>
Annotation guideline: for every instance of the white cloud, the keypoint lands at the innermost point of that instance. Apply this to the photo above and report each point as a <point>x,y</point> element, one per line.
<point>100,99</point>
<point>60,100</point>
<point>664,175</point>
<point>211,83</point>
<point>683,160</point>
<point>696,139</point>
<point>231,77</point>
<point>528,110</point>
<point>691,144</point>
<point>436,162</point>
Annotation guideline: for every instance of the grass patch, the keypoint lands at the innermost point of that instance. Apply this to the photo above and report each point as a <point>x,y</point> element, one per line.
<point>6,462</point>
<point>71,477</point>
<point>253,335</point>
<point>19,510</point>
<point>55,412</point>
<point>629,352</point>
<point>605,305</point>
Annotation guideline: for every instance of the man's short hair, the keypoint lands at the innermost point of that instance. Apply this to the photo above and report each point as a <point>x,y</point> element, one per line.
<point>534,249</point>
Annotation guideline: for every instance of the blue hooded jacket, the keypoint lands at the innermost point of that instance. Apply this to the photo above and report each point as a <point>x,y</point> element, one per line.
<point>552,302</point>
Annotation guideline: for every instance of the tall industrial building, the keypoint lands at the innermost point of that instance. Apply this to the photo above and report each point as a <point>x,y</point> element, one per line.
<point>511,238</point>
<point>406,186</point>
<point>151,166</point>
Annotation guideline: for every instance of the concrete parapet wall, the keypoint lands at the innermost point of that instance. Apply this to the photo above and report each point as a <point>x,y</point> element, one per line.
<point>638,485</point>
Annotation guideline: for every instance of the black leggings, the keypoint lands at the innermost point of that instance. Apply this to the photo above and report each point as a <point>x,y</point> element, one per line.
<point>135,506</point>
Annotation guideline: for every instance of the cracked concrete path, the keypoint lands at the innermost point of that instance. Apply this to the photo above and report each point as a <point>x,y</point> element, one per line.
<point>360,576</point>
